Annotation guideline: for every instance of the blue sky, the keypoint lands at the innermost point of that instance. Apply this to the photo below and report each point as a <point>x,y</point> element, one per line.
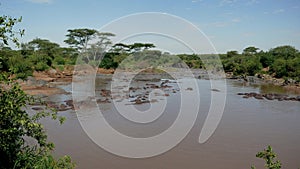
<point>229,24</point>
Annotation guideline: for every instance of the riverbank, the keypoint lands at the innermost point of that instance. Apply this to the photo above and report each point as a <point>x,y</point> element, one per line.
<point>45,82</point>
<point>265,79</point>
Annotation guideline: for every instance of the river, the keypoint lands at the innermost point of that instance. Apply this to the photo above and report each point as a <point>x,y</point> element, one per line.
<point>247,126</point>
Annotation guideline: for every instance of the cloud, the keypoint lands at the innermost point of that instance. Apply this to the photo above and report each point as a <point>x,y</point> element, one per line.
<point>252,2</point>
<point>248,34</point>
<point>40,1</point>
<point>278,11</point>
<point>227,2</point>
<point>222,24</point>
<point>194,1</point>
<point>235,20</point>
<point>219,24</point>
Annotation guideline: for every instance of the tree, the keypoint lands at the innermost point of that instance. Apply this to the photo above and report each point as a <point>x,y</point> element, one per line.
<point>7,33</point>
<point>140,46</point>
<point>120,48</point>
<point>98,48</point>
<point>16,125</point>
<point>136,47</point>
<point>251,50</point>
<point>266,58</point>
<point>79,38</point>
<point>282,55</point>
<point>44,49</point>
<point>90,43</point>
<point>285,52</point>
<point>232,53</point>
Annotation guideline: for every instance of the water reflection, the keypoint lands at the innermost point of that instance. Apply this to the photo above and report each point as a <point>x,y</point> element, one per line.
<point>247,126</point>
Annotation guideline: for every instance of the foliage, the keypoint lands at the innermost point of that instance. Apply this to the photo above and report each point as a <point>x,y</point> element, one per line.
<point>17,126</point>
<point>249,51</point>
<point>7,33</point>
<point>269,156</point>
<point>19,66</point>
<point>281,61</point>
<point>79,38</point>
<point>90,52</point>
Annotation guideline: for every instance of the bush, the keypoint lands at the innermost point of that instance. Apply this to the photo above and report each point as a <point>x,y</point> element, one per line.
<point>19,66</point>
<point>59,60</point>
<point>41,66</point>
<point>16,124</point>
<point>280,68</point>
<point>269,156</point>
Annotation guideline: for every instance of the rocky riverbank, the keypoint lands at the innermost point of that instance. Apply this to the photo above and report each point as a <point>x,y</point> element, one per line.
<point>287,84</point>
<point>270,96</point>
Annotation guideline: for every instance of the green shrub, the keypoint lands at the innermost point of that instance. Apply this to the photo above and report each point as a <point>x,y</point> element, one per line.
<point>269,156</point>
<point>16,124</point>
<point>59,60</point>
<point>19,66</point>
<point>41,66</point>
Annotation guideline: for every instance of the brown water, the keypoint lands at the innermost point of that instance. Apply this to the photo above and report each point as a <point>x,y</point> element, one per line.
<point>247,126</point>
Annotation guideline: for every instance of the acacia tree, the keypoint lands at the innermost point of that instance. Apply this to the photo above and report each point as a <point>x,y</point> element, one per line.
<point>79,38</point>
<point>131,48</point>
<point>251,50</point>
<point>90,43</point>
<point>102,42</point>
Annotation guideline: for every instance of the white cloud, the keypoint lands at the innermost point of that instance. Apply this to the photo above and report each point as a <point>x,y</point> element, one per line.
<point>235,20</point>
<point>194,1</point>
<point>278,11</point>
<point>227,2</point>
<point>248,34</point>
<point>40,1</point>
<point>219,24</point>
<point>222,24</point>
<point>252,2</point>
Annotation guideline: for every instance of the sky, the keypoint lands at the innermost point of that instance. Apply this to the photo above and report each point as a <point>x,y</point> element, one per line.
<point>227,24</point>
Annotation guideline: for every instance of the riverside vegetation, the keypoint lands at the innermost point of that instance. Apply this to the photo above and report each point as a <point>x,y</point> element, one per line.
<point>17,126</point>
<point>42,54</point>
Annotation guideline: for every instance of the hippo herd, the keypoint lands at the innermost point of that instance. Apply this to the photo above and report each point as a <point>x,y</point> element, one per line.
<point>270,96</point>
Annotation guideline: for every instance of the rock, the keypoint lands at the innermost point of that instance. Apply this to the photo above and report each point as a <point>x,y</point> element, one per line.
<point>105,93</point>
<point>252,94</point>
<point>51,104</point>
<point>269,96</point>
<point>52,73</point>
<point>106,100</point>
<point>69,103</point>
<point>63,107</point>
<point>154,86</point>
<point>215,90</point>
<point>138,101</point>
<point>258,96</point>
<point>280,99</point>
<point>37,108</point>
<point>153,100</point>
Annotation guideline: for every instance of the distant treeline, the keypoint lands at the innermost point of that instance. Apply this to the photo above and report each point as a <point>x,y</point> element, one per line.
<point>91,46</point>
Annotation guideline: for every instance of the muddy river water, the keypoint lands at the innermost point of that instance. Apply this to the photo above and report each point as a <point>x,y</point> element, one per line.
<point>247,126</point>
